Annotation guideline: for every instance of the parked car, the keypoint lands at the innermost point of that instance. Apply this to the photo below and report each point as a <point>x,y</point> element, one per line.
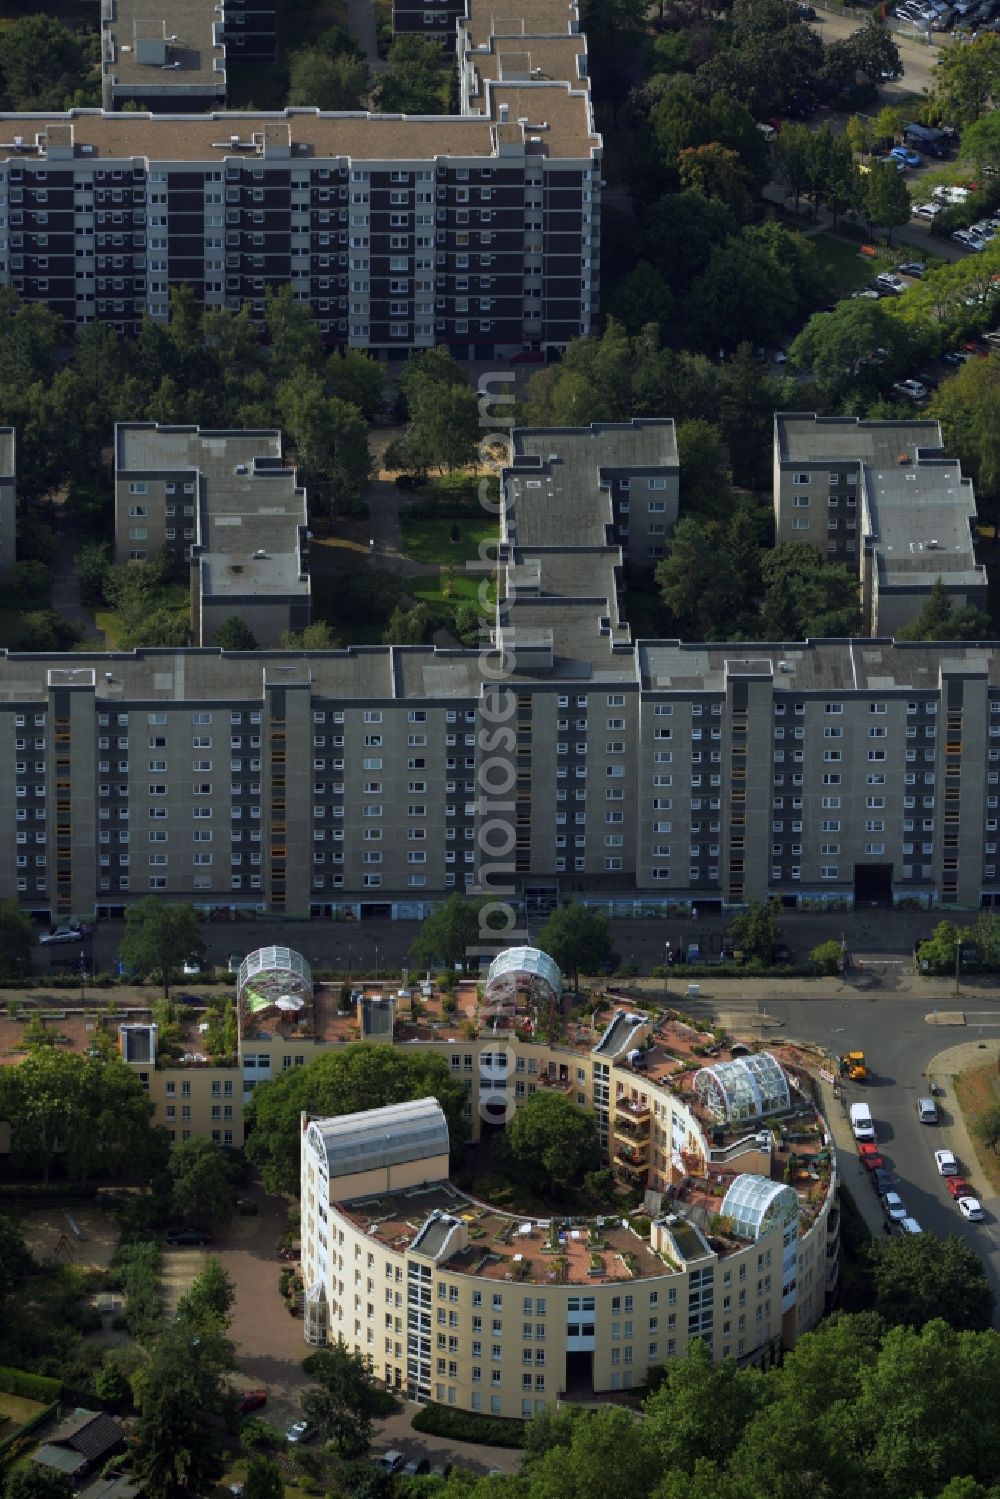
<point>805,12</point>
<point>958,1187</point>
<point>910,1226</point>
<point>955,356</point>
<point>911,390</point>
<point>72,931</point>
<point>441,1470</point>
<point>892,1206</point>
<point>416,1466</point>
<point>233,962</point>
<point>946,1163</point>
<point>913,268</point>
<point>890,281</point>
<point>906,156</point>
<point>926,210</point>
<point>300,1431</point>
<point>191,968</point>
<point>971,1209</point>
<point>870,1158</point>
<point>927,1111</point>
<point>251,1400</point>
<point>391,1462</point>
<point>881,1180</point>
<point>183,1237</point>
<point>865,293</point>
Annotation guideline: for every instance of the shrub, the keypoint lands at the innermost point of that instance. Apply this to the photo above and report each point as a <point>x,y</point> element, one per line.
<point>139,1270</point>
<point>29,1386</point>
<point>827,955</point>
<point>467,1426</point>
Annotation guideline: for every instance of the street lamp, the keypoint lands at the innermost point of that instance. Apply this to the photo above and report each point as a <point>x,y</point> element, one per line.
<point>958,957</point>
<point>666,971</point>
<point>376,962</point>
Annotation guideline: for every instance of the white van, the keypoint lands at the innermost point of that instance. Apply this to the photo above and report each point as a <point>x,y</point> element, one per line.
<point>862,1123</point>
<point>927,1111</point>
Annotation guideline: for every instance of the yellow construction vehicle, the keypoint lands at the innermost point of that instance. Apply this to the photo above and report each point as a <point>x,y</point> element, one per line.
<point>854,1066</point>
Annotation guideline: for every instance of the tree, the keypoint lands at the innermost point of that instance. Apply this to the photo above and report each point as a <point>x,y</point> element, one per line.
<point>806,596</point>
<point>827,955</point>
<point>181,1395</point>
<point>704,479</point>
<point>209,1300</point>
<point>858,134</point>
<point>29,1480</point>
<point>451,934</point>
<point>361,1076</point>
<point>17,942</point>
<point>940,619</point>
<point>414,77</point>
<point>329,83</point>
<point>234,634</point>
<point>937,954</point>
<point>987,1127</point>
<point>444,425</point>
<point>756,931</point>
<point>835,347</point>
<point>345,1400</point>
<point>875,53</point>
<point>577,939</point>
<point>886,198</point>
<point>793,159</point>
<point>919,1277</point>
<point>263,1479</point>
<point>981,142</point>
<point>967,81</point>
<point>44,65</point>
<point>294,335</point>
<point>159,939</point>
<point>356,377</point>
<point>968,408</point>
<point>407,626</point>
<point>641,297</point>
<point>716,172</point>
<point>16,1262</point>
<point>695,581</point>
<point>201,1189</point>
<point>315,637</point>
<point>552,1132</point>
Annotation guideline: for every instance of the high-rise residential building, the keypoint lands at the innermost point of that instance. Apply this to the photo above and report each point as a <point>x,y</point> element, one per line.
<point>478,231</point>
<point>226,503</point>
<point>172,57</point>
<point>883,499</point>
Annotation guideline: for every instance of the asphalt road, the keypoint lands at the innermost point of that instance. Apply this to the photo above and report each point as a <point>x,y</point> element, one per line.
<point>900,1046</point>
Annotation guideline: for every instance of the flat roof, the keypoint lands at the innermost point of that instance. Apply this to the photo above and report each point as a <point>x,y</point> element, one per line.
<point>804,437</point>
<point>560,116</point>
<point>180,34</point>
<point>247,503</point>
<point>6,452</point>
<point>486,18</point>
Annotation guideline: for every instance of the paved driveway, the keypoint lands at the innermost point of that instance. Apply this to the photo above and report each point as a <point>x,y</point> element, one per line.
<point>269,1343</point>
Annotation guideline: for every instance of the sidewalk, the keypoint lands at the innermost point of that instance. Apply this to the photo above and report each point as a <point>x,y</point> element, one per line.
<point>955,1132</point>
<point>849,1168</point>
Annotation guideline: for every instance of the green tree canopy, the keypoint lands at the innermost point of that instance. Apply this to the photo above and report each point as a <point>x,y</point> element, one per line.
<point>414,81</point>
<point>201,1189</point>
<point>757,931</point>
<point>886,198</point>
<point>940,619</point>
<point>17,942</point>
<point>361,1076</point>
<point>44,65</point>
<point>29,1480</point>
<point>181,1396</point>
<point>919,1277</point>
<point>345,1400</point>
<point>324,82</point>
<point>806,596</point>
<point>16,1262</point>
<point>160,937</point>
<point>577,939</point>
<point>552,1134</point>
<point>263,1479</point>
<point>234,634</point>
<point>209,1300</point>
<point>451,934</point>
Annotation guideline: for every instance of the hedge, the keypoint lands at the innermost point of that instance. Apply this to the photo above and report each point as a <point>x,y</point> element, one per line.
<point>30,1386</point>
<point>467,1426</point>
<point>29,1426</point>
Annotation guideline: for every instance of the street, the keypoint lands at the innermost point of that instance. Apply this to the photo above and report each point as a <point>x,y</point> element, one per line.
<point>376,948</point>
<point>904,1046</point>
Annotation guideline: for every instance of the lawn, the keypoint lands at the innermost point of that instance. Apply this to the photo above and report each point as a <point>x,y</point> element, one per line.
<point>17,1409</point>
<point>442,593</point>
<point>976,1091</point>
<point>845,267</point>
<point>431,540</point>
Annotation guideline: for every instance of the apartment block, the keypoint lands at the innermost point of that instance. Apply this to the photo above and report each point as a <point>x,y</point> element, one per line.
<point>226,503</point>
<point>169,58</point>
<point>881,498</point>
<point>478,231</point>
<point>609,484</point>
<point>8,499</point>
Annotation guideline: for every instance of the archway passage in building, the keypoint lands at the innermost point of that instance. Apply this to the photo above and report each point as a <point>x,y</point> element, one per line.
<point>579,1375</point>
<point>872,885</point>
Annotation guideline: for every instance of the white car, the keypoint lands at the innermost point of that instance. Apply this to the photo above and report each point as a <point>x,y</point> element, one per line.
<point>75,933</point>
<point>913,390</point>
<point>926,210</point>
<point>946,1163</point>
<point>983,229</point>
<point>191,968</point>
<point>893,282</point>
<point>909,1226</point>
<point>971,1208</point>
<point>892,1205</point>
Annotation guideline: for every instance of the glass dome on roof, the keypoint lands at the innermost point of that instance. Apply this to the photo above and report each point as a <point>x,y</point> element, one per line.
<point>744,1089</point>
<point>754,1203</point>
<point>521,968</point>
<point>274,976</point>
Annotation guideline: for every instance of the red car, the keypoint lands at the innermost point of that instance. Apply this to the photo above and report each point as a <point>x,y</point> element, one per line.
<point>870,1158</point>
<point>958,1187</point>
<point>251,1400</point>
